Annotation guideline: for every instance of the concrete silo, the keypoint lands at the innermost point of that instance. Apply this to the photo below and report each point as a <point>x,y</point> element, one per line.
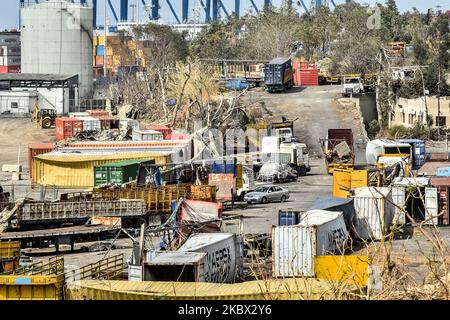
<point>57,38</point>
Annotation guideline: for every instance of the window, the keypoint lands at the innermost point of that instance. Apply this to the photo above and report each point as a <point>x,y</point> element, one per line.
<point>420,119</point>
<point>441,121</point>
<point>14,105</point>
<point>411,118</point>
<point>403,117</point>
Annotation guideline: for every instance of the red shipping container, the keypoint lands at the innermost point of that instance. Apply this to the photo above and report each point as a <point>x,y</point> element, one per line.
<point>67,127</point>
<point>105,121</point>
<point>165,130</point>
<point>97,113</point>
<point>306,77</point>
<point>35,149</point>
<point>178,136</point>
<point>9,69</point>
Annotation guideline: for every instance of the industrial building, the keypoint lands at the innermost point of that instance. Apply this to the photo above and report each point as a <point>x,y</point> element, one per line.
<point>19,92</point>
<point>57,38</point>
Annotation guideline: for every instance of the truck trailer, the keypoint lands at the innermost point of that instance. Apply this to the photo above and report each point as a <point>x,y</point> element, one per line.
<point>278,75</point>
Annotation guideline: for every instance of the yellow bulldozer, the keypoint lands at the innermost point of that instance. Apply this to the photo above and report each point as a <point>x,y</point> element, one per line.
<point>45,118</point>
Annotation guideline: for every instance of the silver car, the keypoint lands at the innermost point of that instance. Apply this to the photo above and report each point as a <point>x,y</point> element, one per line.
<point>266,194</point>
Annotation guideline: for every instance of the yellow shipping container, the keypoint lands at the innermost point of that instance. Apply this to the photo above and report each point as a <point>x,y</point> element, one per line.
<point>77,170</point>
<point>9,249</point>
<point>282,289</point>
<point>345,269</point>
<point>116,60</point>
<point>33,287</point>
<point>343,180</point>
<point>111,40</point>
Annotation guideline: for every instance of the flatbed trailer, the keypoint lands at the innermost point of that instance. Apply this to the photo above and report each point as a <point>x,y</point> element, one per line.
<point>57,236</point>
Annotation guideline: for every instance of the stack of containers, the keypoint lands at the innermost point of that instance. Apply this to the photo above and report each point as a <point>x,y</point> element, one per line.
<point>67,127</point>
<point>103,116</point>
<point>305,74</point>
<point>10,58</point>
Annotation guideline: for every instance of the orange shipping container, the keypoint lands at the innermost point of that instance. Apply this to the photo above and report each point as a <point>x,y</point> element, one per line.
<point>35,149</point>
<point>98,60</point>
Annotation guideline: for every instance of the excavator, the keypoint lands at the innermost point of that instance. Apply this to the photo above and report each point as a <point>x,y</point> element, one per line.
<point>45,118</point>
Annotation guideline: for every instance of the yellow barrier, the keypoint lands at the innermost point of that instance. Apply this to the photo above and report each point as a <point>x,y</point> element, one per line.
<point>353,270</point>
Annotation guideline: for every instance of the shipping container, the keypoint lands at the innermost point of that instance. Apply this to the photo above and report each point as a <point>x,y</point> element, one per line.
<point>294,247</point>
<point>67,128</point>
<point>407,195</point>
<point>178,136</point>
<point>99,60</point>
<point>100,50</point>
<point>130,123</point>
<point>118,172</point>
<point>9,249</point>
<point>97,113</point>
<point>278,75</point>
<point>378,147</point>
<point>288,217</point>
<point>161,128</point>
<point>222,255</point>
<point>147,135</point>
<point>105,121</point>
<point>374,212</point>
<point>418,151</point>
<point>443,191</point>
<point>35,149</point>
<point>90,123</point>
<point>79,114</point>
<point>77,170</point>
<point>344,205</point>
<point>346,180</point>
<point>306,77</point>
<point>134,273</point>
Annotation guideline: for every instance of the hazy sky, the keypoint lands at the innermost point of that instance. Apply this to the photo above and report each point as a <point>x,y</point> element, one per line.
<point>9,13</point>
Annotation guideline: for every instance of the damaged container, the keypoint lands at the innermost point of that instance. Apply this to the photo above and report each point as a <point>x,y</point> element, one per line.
<point>147,135</point>
<point>118,172</point>
<point>205,257</point>
<point>294,247</point>
<point>67,128</point>
<point>35,149</point>
<point>374,212</point>
<point>288,217</point>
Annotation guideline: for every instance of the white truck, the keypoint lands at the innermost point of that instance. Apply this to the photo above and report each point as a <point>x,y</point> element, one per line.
<point>298,152</point>
<point>352,86</point>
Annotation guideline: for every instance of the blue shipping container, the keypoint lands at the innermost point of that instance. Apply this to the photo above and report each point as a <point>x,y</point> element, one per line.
<point>101,50</point>
<point>288,218</point>
<point>418,151</point>
<point>223,168</point>
<point>443,172</point>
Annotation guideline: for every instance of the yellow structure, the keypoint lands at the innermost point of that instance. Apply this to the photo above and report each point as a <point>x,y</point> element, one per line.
<point>9,249</point>
<point>352,270</point>
<point>77,170</point>
<point>285,289</point>
<point>344,180</point>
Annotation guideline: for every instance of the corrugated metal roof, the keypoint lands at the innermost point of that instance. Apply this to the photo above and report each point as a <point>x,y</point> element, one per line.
<point>318,217</point>
<point>411,181</point>
<point>429,168</point>
<point>124,163</point>
<point>35,77</point>
<point>279,60</point>
<point>372,192</point>
<point>64,157</point>
<point>293,288</point>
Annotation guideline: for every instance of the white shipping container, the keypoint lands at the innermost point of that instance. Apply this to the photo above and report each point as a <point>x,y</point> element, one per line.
<point>90,124</point>
<point>124,123</point>
<point>221,255</point>
<point>294,247</point>
<point>374,212</point>
<point>147,135</point>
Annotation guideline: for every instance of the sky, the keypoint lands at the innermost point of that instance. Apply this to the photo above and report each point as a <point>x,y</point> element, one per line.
<point>9,12</point>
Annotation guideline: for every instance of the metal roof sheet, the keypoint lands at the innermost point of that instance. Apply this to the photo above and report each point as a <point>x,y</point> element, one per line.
<point>201,240</point>
<point>64,157</point>
<point>176,258</point>
<point>35,77</point>
<point>318,217</point>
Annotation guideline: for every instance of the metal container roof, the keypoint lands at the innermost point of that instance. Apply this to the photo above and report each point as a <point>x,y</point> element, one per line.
<point>176,258</point>
<point>330,202</point>
<point>318,217</point>
<point>279,60</point>
<point>64,157</point>
<point>411,181</point>
<point>124,163</point>
<point>201,240</point>
<point>372,192</point>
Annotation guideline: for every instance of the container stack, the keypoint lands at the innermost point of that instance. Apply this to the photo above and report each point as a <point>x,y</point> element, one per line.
<point>306,74</point>
<point>10,58</point>
<point>119,52</point>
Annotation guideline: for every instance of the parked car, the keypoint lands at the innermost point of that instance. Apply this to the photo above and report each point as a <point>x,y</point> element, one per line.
<point>265,194</point>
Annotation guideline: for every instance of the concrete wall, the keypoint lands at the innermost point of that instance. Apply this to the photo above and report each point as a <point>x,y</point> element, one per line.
<point>17,102</point>
<point>407,112</point>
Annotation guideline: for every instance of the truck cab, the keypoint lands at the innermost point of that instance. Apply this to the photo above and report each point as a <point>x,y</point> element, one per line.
<point>299,155</point>
<point>353,85</point>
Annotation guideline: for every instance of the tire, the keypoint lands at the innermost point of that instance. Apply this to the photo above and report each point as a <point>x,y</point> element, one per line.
<point>302,171</point>
<point>283,198</point>
<point>127,224</point>
<point>264,200</point>
<point>46,123</point>
<point>141,221</point>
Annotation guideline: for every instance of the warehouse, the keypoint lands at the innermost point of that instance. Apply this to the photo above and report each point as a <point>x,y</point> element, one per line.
<point>55,91</point>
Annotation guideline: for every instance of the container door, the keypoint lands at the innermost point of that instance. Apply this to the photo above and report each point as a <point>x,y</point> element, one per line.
<point>431,206</point>
<point>398,198</point>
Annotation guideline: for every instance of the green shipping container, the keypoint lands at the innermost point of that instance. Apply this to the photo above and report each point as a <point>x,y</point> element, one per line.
<point>118,172</point>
